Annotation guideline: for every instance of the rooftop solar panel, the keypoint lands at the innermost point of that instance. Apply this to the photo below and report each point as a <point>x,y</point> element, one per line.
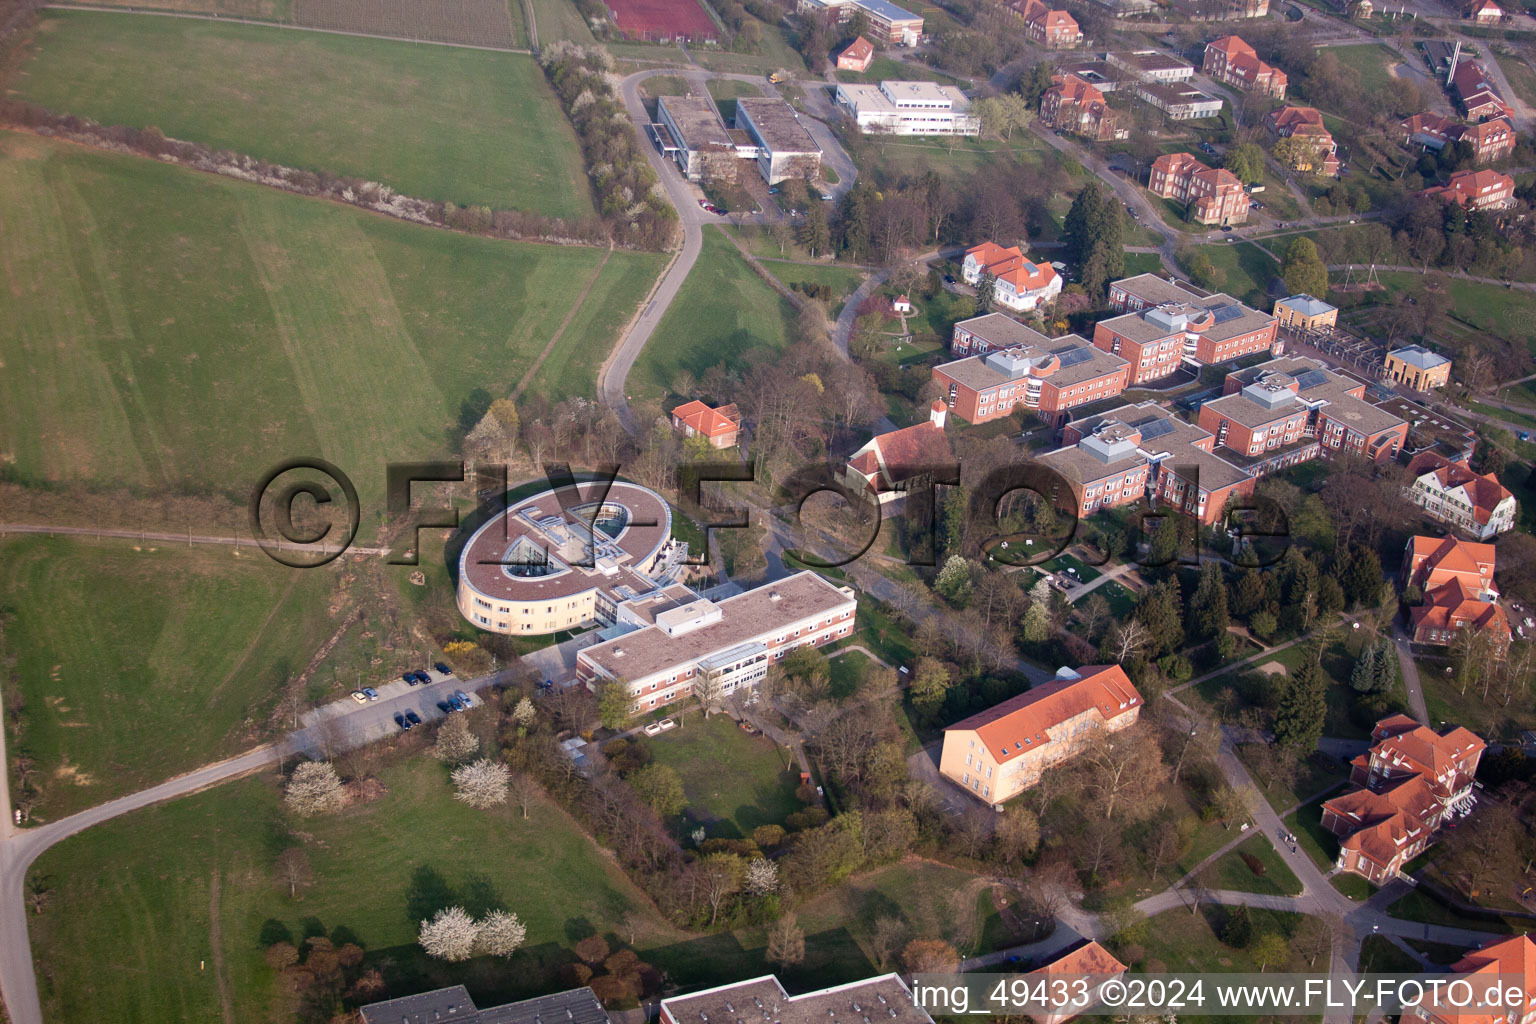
<point>1310,379</point>
<point>1156,428</point>
<point>1229,311</point>
<point>1074,355</point>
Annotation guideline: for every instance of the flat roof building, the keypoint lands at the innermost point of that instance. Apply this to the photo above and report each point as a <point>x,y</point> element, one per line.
<point>1152,65</point>
<point>718,647</point>
<point>578,1006</point>
<point>908,108</point>
<point>1015,366</point>
<point>704,149</point>
<point>1179,100</point>
<point>882,1000</point>
<point>787,149</point>
<point>1182,329</point>
<point>887,22</point>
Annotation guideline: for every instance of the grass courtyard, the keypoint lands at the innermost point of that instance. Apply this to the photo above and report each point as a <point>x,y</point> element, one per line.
<point>168,329</point>
<point>158,892</point>
<point>734,782</point>
<point>723,313</point>
<point>466,126</point>
<point>1231,871</point>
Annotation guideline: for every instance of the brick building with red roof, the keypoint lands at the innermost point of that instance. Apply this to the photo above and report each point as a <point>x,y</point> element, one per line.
<point>1412,782</point>
<point>1490,140</point>
<point>1305,124</point>
<point>1215,195</point>
<point>858,55</point>
<point>1232,61</point>
<point>719,426</point>
<point>1076,105</point>
<point>1054,29</point>
<point>1505,963</point>
<point>887,461</point>
<point>999,753</point>
<point>1477,92</point>
<point>1477,190</point>
<point>1090,961</point>
<point>1456,578</point>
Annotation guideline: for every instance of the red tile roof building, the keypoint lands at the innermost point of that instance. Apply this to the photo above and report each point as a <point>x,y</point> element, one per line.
<point>1450,492</point>
<point>1006,365</point>
<point>1490,140</point>
<point>1456,578</point>
<point>1216,196</point>
<point>1075,105</point>
<point>1484,11</point>
<point>1185,328</point>
<point>1477,92</point>
<point>1055,29</point>
<point>1286,411</point>
<point>1477,190</point>
<point>1088,961</point>
<point>1509,962</point>
<point>720,426</point>
<point>887,461</point>
<point>1306,125</point>
<point>1234,62</point>
<point>1019,283</point>
<point>1137,451</point>
<point>857,56</point>
<point>999,753</point>
<point>1413,781</point>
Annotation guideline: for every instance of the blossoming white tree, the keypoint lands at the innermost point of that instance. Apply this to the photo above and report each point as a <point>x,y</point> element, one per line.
<point>451,935</point>
<point>314,789</point>
<point>482,784</point>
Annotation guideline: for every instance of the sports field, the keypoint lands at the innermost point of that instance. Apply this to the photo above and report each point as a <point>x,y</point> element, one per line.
<point>466,126</point>
<point>168,328</point>
<point>135,663</point>
<point>651,20</point>
<point>723,313</point>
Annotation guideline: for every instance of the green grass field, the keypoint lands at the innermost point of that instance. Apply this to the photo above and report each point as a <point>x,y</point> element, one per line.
<point>1230,871</point>
<point>1487,307</point>
<point>885,68</point>
<point>1373,62</point>
<point>439,122</point>
<point>136,665</point>
<point>734,782</point>
<point>1247,270</point>
<point>172,329</point>
<point>559,19</point>
<point>144,894</point>
<point>1142,263</point>
<point>723,312</point>
<point>1180,941</point>
<point>842,280</point>
<point>889,159</point>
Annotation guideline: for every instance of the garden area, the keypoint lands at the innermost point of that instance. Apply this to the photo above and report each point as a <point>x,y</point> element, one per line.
<point>733,782</point>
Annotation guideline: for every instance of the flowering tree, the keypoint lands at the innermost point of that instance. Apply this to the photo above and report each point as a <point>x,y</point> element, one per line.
<point>455,743</point>
<point>482,784</point>
<point>501,933</point>
<point>314,788</point>
<point>451,935</point>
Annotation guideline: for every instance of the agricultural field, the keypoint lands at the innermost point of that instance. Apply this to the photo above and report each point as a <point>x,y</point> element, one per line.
<point>160,891</point>
<point>438,122</point>
<point>263,10</point>
<point>723,313</point>
<point>135,663</point>
<point>559,19</point>
<point>200,329</point>
<point>476,22</point>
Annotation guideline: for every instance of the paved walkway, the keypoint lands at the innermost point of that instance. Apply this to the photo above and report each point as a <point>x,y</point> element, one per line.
<point>1411,682</point>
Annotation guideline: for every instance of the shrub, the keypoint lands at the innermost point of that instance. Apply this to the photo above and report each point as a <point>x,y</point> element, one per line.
<point>1254,864</point>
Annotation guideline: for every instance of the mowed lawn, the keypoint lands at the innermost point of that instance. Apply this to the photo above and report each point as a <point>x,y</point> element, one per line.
<point>465,126</point>
<point>136,900</point>
<point>723,313</point>
<point>168,328</point>
<point>734,782</point>
<point>136,665</point>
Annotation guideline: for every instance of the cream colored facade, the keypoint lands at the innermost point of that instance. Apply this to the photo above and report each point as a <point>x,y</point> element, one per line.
<point>1304,313</point>
<point>1417,368</point>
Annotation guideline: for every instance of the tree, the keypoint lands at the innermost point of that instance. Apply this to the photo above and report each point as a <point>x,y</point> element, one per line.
<point>762,877</point>
<point>1093,233</point>
<point>38,893</point>
<point>930,684</point>
<point>1208,607</point>
<point>1093,613</point>
<point>450,935</point>
<point>314,788</point>
<point>1246,161</point>
<point>1037,622</point>
<point>1125,641</point>
<point>660,788</point>
<point>928,956</point>
<point>1303,707</point>
<point>1304,270</point>
<point>1127,769</point>
<point>1017,833</point>
<point>1314,940</point>
<point>888,936</point>
<point>613,704</point>
<point>481,784</point>
<point>786,942</point>
<point>500,934</point>
<point>720,877</point>
<point>294,870</point>
<point>524,791</point>
<point>455,743</point>
<point>1270,948</point>
<point>1237,932</point>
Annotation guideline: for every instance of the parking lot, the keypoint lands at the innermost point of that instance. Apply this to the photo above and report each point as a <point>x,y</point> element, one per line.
<point>350,722</point>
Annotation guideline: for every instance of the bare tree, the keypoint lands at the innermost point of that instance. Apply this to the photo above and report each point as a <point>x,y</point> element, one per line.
<point>524,790</point>
<point>1314,940</point>
<point>974,829</point>
<point>889,936</point>
<point>786,942</point>
<point>1127,639</point>
<point>1127,770</point>
<point>294,870</point>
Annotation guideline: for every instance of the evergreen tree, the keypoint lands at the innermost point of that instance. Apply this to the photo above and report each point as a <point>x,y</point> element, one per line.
<point>1250,594</point>
<point>1362,577</point>
<point>1161,610</point>
<point>1208,608</point>
<point>1363,678</point>
<point>1303,707</point>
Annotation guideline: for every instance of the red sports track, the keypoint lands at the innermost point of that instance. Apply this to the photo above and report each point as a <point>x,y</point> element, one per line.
<point>662,19</point>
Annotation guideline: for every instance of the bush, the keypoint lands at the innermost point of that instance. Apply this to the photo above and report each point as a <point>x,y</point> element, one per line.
<point>1254,864</point>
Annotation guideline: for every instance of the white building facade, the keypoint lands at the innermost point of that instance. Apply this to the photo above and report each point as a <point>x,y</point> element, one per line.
<point>908,108</point>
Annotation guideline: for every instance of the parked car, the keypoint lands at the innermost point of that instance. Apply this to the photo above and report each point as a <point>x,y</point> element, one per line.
<point>409,677</point>
<point>360,696</point>
<point>1525,435</point>
<point>421,677</point>
<point>445,707</point>
<point>1226,227</point>
<point>442,667</point>
<point>401,722</point>
<point>455,703</point>
<point>413,718</point>
<point>464,698</point>
<point>370,693</point>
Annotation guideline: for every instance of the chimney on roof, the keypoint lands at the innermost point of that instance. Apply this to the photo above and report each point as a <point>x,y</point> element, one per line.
<point>937,413</point>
